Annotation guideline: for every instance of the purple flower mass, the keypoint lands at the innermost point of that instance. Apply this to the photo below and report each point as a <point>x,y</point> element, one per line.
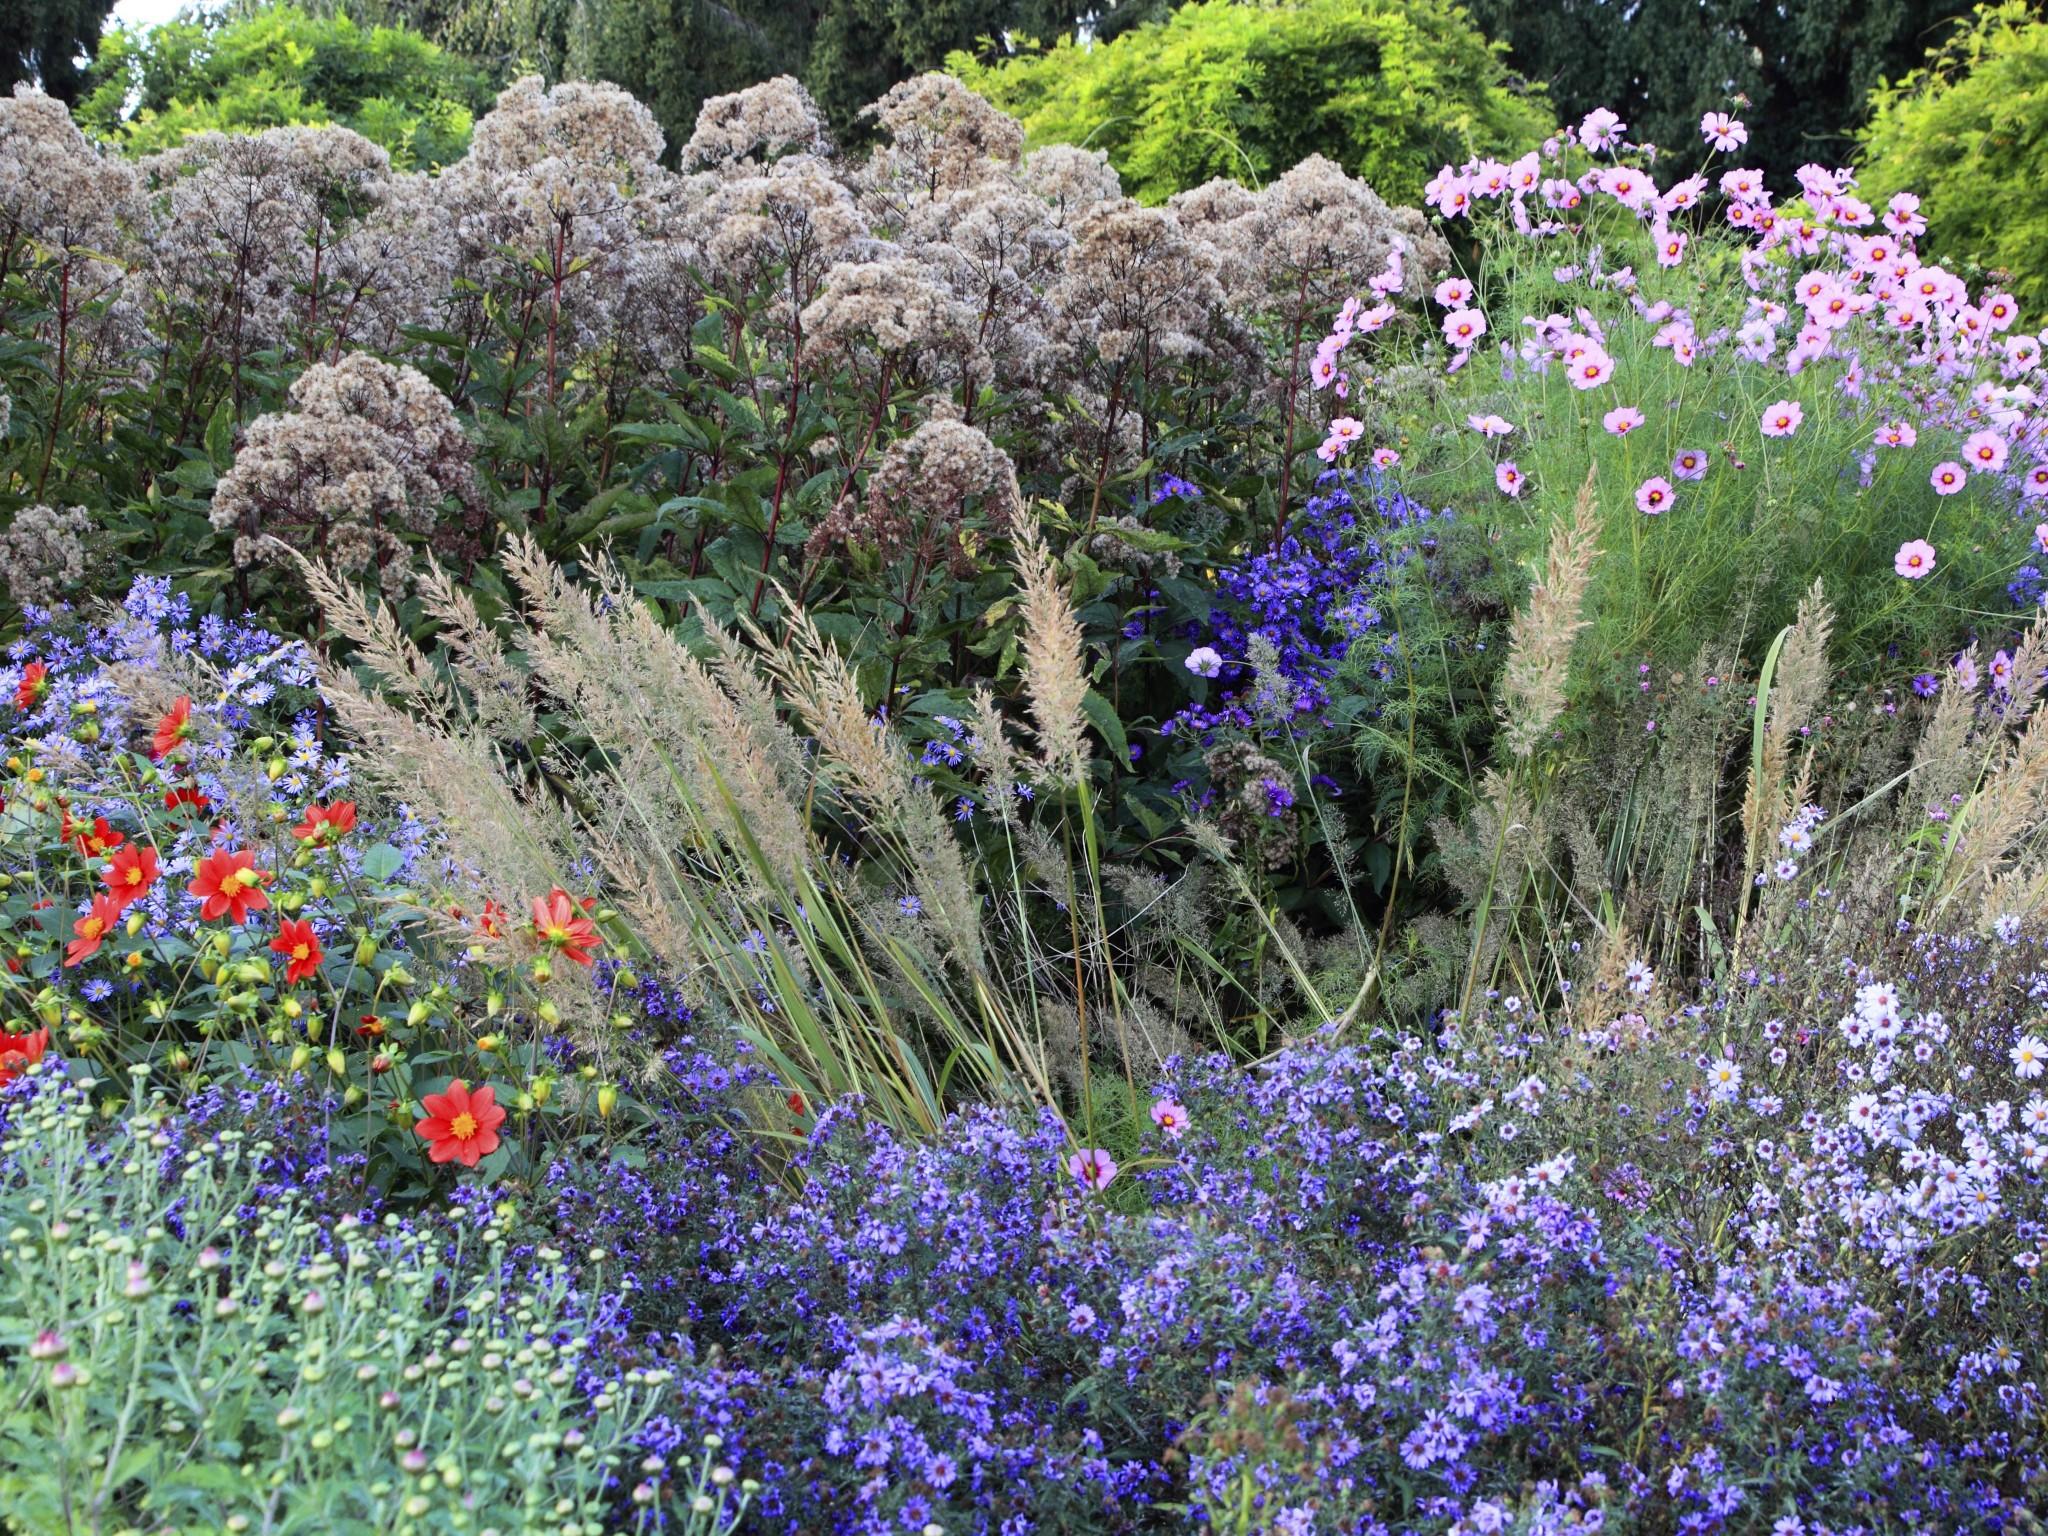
<point>1312,599</point>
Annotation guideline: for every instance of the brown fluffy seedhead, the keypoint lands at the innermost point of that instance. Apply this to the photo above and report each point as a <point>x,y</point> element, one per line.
<point>1540,642</point>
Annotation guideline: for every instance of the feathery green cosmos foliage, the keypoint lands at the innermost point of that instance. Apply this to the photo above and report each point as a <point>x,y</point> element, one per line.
<point>279,67</point>
<point>1969,130</point>
<point>1386,88</point>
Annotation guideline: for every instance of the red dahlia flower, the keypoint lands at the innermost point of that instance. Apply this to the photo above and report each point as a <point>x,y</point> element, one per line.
<point>94,841</point>
<point>461,1126</point>
<point>130,873</point>
<point>33,687</point>
<point>92,930</point>
<point>19,1052</point>
<point>560,923</point>
<point>326,824</point>
<point>300,946</point>
<point>173,730</point>
<point>229,885</point>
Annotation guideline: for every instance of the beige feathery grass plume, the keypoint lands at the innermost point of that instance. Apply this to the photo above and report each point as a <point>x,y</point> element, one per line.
<point>497,689</point>
<point>1798,683</point>
<point>1540,642</point>
<point>1055,676</point>
<point>1992,831</point>
<point>685,758</point>
<point>1944,760</point>
<point>864,762</point>
<point>381,644</point>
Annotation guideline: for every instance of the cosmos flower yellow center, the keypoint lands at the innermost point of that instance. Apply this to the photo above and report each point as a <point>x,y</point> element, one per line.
<point>463,1126</point>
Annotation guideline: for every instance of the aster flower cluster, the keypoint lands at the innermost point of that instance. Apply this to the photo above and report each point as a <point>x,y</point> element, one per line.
<point>1363,1278</point>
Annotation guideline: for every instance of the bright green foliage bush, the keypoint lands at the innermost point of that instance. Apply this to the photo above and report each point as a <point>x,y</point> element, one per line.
<point>1969,133</point>
<point>185,1346</point>
<point>1388,88</point>
<point>283,68</point>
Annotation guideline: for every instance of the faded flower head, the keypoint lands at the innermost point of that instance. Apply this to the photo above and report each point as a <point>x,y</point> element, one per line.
<point>750,128</point>
<point>919,494</point>
<point>45,552</point>
<point>365,450</point>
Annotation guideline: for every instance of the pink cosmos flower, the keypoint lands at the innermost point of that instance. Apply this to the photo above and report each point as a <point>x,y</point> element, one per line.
<point>1385,458</point>
<point>1723,132</point>
<point>2034,484</point>
<point>1600,128</point>
<point>1170,1117</point>
<point>1463,327</point>
<point>2041,537</point>
<point>1489,425</point>
<point>1670,247</point>
<point>1782,418</point>
<point>1508,478</point>
<point>1653,495</point>
<point>1689,464</point>
<point>1094,1167</point>
<point>1897,434</point>
<point>1592,369</point>
<point>1985,452</point>
<point>1455,293</point>
<point>1622,420</point>
<point>1914,559</point>
<point>1948,477</point>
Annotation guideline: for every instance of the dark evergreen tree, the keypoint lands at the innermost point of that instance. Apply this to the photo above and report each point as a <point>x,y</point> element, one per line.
<point>51,42</point>
<point>1800,72</point>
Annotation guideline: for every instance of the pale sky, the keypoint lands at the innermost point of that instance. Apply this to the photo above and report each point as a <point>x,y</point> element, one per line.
<point>144,13</point>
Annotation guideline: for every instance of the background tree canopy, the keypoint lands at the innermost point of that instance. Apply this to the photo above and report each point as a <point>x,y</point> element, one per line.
<point>1390,89</point>
<point>280,67</point>
<point>1806,68</point>
<point>1969,134</point>
<point>44,40</point>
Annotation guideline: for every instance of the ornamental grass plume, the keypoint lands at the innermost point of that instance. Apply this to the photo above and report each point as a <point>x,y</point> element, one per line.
<point>1540,642</point>
<point>1791,691</point>
<point>1055,672</point>
<point>1987,848</point>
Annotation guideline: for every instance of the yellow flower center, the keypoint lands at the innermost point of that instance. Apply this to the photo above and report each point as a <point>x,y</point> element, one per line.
<point>133,876</point>
<point>300,951</point>
<point>93,928</point>
<point>463,1126</point>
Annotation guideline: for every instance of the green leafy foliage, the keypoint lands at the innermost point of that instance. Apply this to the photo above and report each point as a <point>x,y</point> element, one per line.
<point>281,67</point>
<point>1969,132</point>
<point>1390,89</point>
